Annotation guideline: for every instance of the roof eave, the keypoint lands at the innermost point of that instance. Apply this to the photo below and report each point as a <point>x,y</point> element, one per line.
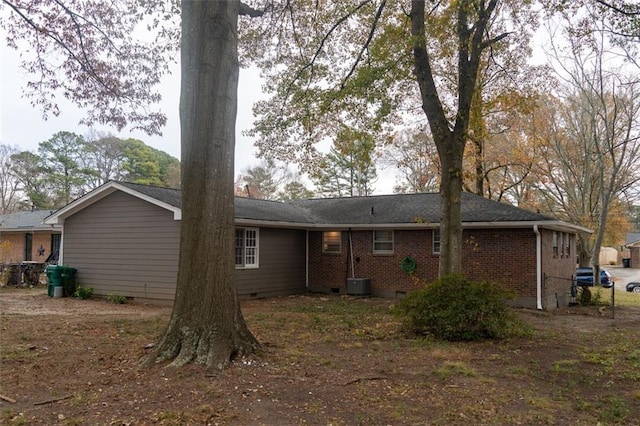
<point>555,225</point>
<point>32,229</point>
<point>58,217</point>
<point>633,244</point>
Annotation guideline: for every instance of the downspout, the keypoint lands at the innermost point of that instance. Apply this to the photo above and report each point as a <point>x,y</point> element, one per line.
<point>61,249</point>
<point>353,272</point>
<point>538,267</point>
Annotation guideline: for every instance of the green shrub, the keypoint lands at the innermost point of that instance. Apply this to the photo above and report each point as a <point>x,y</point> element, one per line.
<point>591,297</point>
<point>454,308</point>
<point>84,292</point>
<point>117,298</point>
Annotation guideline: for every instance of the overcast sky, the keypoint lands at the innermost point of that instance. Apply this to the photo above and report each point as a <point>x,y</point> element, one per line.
<point>21,124</point>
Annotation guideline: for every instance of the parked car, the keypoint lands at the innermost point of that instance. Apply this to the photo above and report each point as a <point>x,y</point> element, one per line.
<point>584,277</point>
<point>634,287</point>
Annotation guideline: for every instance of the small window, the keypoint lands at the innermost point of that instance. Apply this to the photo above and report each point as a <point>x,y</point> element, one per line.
<point>383,241</point>
<point>331,242</point>
<point>55,242</point>
<point>567,244</point>
<point>561,243</point>
<point>28,247</point>
<point>246,250</point>
<point>436,241</point>
<point>554,244</point>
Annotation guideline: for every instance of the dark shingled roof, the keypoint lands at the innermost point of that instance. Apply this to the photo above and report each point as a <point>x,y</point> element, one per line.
<point>410,208</point>
<point>632,237</point>
<point>27,220</point>
<point>245,208</point>
<point>374,210</point>
<point>252,209</point>
<point>169,196</point>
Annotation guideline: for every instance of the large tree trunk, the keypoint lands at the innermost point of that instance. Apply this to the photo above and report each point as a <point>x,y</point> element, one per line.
<point>207,326</point>
<point>451,140</point>
<point>451,208</point>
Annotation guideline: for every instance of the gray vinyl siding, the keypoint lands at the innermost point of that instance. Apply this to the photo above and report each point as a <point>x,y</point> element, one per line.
<point>125,246</point>
<point>282,265</point>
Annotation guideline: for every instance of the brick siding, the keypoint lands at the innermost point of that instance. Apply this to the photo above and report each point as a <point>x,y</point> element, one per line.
<point>504,256</point>
<point>12,251</point>
<point>635,257</point>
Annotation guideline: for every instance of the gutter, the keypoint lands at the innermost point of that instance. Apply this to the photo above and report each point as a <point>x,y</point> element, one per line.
<point>538,268</point>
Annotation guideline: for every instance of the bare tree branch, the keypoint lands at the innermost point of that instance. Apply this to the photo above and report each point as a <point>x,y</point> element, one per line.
<point>365,46</point>
<point>246,10</point>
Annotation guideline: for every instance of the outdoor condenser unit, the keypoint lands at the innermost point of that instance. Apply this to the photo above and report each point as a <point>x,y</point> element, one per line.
<point>359,286</point>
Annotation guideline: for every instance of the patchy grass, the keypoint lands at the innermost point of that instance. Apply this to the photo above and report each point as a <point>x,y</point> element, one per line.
<point>625,298</point>
<point>326,360</point>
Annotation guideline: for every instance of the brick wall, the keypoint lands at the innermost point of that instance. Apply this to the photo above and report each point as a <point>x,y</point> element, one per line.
<point>12,246</point>
<point>505,256</point>
<point>635,257</point>
<point>557,270</point>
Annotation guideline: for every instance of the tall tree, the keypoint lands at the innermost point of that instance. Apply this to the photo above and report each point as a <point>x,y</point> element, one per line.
<point>414,157</point>
<point>85,51</point>
<point>356,65</point>
<point>9,183</point>
<point>603,115</point>
<point>348,170</point>
<point>112,158</point>
<point>295,190</point>
<point>595,150</point>
<point>104,154</point>
<point>113,76</point>
<point>263,181</point>
<point>61,160</point>
<point>450,136</point>
<point>206,325</point>
<point>30,172</point>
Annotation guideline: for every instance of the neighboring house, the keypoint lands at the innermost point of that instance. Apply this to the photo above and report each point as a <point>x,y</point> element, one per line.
<point>123,239</point>
<point>633,244</point>
<point>25,238</point>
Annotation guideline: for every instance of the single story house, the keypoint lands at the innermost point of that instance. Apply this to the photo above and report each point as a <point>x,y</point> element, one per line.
<point>123,239</point>
<point>26,243</point>
<point>25,238</point>
<point>633,244</point>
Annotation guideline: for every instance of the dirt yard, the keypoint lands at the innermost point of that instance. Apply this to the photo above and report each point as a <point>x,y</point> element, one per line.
<point>327,361</point>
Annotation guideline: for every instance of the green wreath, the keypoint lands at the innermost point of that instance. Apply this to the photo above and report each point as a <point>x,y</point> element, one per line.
<point>408,265</point>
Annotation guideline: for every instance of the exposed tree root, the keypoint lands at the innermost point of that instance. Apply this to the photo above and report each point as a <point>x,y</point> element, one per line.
<point>215,351</point>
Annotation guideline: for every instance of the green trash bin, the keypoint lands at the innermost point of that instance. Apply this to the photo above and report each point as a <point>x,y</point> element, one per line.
<point>54,278</point>
<point>68,280</point>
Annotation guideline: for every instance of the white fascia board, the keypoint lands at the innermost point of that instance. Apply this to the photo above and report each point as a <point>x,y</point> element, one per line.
<point>98,194</point>
<point>58,217</point>
<point>33,229</point>
<point>272,224</point>
<point>555,225</point>
<point>551,224</point>
<point>177,211</point>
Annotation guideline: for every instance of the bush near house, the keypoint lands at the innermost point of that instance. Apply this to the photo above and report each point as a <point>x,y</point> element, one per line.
<point>454,308</point>
<point>83,292</point>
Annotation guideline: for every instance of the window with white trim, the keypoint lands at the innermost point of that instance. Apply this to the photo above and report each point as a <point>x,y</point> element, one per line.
<point>246,251</point>
<point>436,241</point>
<point>567,244</point>
<point>331,242</point>
<point>554,243</point>
<point>383,241</point>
